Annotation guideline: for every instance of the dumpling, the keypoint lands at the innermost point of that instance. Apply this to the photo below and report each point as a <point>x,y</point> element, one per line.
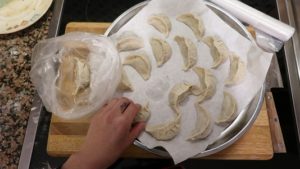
<point>143,115</point>
<point>73,82</point>
<point>141,63</point>
<point>161,50</point>
<point>165,131</point>
<point>229,110</point>
<point>194,22</point>
<point>203,125</point>
<point>161,23</point>
<point>208,83</point>
<point>197,90</point>
<point>77,49</point>
<point>218,50</point>
<point>125,84</point>
<point>178,94</point>
<point>129,41</point>
<point>188,51</point>
<point>237,70</point>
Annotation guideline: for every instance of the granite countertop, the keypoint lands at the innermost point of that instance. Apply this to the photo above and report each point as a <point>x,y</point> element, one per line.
<point>16,89</point>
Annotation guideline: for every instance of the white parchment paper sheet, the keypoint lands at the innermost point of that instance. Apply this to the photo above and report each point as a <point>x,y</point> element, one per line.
<point>156,89</point>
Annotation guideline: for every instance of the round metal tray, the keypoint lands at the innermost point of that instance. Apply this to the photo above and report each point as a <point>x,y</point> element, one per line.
<point>245,119</point>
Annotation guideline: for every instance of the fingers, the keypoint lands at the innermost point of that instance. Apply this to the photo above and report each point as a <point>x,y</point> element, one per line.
<point>131,112</point>
<point>109,105</point>
<point>124,106</point>
<point>136,131</point>
<point>119,106</point>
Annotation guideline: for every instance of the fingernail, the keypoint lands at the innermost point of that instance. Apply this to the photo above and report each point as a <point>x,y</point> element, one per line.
<point>124,106</point>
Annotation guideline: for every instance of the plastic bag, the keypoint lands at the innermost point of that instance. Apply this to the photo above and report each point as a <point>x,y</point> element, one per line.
<point>267,42</point>
<point>75,74</point>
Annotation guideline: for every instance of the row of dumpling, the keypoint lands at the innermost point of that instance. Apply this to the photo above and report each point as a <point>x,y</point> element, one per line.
<point>139,61</point>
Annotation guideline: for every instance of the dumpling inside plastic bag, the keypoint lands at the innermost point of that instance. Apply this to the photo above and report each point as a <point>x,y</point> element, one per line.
<point>75,74</point>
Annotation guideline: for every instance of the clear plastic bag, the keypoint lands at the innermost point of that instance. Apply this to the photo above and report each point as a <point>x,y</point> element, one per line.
<point>267,42</point>
<point>75,74</point>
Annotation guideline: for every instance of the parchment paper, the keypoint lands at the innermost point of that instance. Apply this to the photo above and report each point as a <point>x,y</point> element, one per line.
<point>156,89</point>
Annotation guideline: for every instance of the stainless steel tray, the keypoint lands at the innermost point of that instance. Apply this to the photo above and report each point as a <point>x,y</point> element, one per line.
<point>245,119</point>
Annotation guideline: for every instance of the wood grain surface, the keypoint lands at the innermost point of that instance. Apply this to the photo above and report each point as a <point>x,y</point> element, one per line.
<point>277,137</point>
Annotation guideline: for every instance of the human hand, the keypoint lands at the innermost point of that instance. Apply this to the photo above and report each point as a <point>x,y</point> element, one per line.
<point>109,134</point>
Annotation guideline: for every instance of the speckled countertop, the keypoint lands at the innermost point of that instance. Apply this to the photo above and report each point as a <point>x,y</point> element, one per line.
<point>16,90</point>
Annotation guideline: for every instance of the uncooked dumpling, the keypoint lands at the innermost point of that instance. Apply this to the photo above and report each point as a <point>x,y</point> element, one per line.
<point>77,49</point>
<point>73,82</point>
<point>143,115</point>
<point>194,22</point>
<point>178,94</point>
<point>188,51</point>
<point>165,131</point>
<point>208,84</point>
<point>161,23</point>
<point>218,50</point>
<point>161,50</point>
<point>229,110</point>
<point>129,41</point>
<point>124,84</point>
<point>203,125</point>
<point>196,90</point>
<point>141,63</point>
<point>237,70</point>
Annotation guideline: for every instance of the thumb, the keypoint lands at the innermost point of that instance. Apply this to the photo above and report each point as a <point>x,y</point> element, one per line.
<point>136,131</point>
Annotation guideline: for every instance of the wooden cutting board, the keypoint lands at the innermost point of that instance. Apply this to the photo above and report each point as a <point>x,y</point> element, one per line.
<point>66,137</point>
